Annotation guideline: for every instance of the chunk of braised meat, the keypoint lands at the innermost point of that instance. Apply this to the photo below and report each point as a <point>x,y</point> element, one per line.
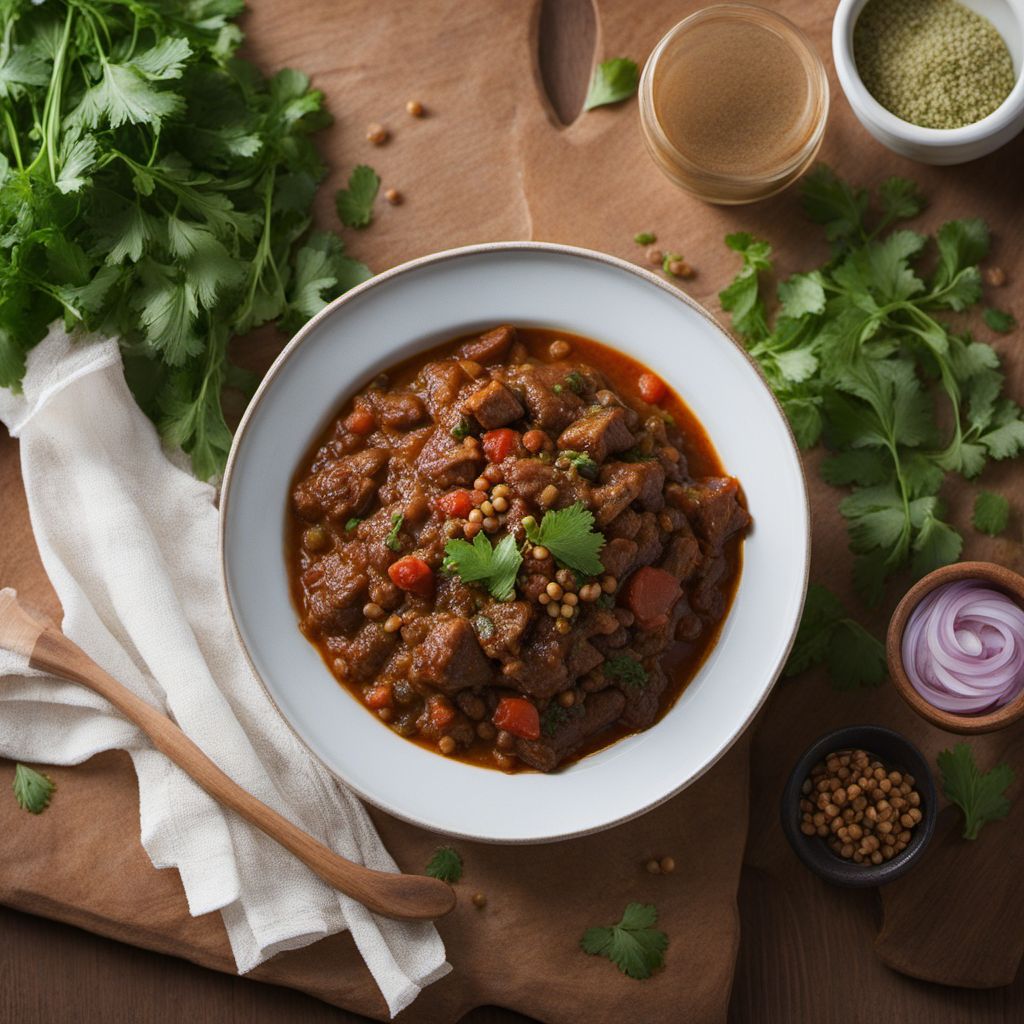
<point>622,483</point>
<point>493,405</point>
<point>712,505</point>
<point>546,408</point>
<point>340,489</point>
<point>364,652</point>
<point>542,670</point>
<point>599,710</point>
<point>682,556</point>
<point>489,347</point>
<point>508,621</point>
<point>446,463</point>
<point>642,702</point>
<point>333,590</point>
<point>398,410</point>
<point>449,657</point>
<point>618,556</point>
<point>600,433</point>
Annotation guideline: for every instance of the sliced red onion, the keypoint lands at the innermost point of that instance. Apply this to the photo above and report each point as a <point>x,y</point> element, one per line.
<point>963,648</point>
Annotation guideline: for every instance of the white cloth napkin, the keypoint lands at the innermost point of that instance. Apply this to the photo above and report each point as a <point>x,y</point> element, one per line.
<point>130,544</point>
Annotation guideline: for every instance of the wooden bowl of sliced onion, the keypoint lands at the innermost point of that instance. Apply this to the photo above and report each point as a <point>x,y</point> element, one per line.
<point>955,647</point>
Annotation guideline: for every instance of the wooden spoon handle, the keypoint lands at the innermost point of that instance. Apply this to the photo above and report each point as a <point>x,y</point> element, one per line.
<point>390,894</point>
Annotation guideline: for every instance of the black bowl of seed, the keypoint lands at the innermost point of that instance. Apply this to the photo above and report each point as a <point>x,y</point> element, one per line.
<point>859,807</point>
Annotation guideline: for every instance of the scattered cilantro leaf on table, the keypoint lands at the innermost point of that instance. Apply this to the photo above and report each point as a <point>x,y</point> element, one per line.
<point>613,81</point>
<point>154,187</point>
<point>570,536</point>
<point>860,357</point>
<point>32,789</point>
<point>355,203</point>
<point>1000,322</point>
<point>980,795</point>
<point>645,238</point>
<point>627,670</point>
<point>496,566</point>
<point>634,945</point>
<point>828,635</point>
<point>446,865</point>
<point>991,513</point>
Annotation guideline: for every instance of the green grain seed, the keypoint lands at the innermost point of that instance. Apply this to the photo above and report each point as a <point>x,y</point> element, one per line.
<point>934,63</point>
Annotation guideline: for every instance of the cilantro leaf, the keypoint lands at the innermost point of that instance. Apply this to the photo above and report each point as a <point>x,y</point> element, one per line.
<point>392,541</point>
<point>900,199</point>
<point>32,789</point>
<point>829,201</point>
<point>581,462</point>
<point>634,945</point>
<point>352,523</point>
<point>613,81</point>
<point>626,669</point>
<point>1000,322</point>
<point>980,795</point>
<point>828,635</point>
<point>570,536</point>
<point>355,203</point>
<point>446,864</point>
<point>645,238</point>
<point>495,566</point>
<point>991,513</point>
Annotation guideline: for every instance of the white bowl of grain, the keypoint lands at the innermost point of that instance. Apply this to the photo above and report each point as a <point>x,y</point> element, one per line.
<point>929,144</point>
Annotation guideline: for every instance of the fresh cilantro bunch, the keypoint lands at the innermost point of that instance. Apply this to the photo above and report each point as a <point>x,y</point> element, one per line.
<point>156,188</point>
<point>860,356</point>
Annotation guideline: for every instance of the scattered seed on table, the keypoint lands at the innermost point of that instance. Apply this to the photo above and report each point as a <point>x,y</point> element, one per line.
<point>668,865</point>
<point>654,257</point>
<point>393,196</point>
<point>377,134</point>
<point>415,108</point>
<point>995,276</point>
<point>479,900</point>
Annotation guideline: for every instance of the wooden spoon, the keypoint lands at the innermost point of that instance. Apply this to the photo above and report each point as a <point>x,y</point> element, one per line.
<point>390,894</point>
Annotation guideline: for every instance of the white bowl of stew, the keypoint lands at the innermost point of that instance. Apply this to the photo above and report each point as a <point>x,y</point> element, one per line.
<point>485,400</point>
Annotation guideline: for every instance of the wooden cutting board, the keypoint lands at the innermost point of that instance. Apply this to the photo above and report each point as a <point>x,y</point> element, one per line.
<point>500,155</point>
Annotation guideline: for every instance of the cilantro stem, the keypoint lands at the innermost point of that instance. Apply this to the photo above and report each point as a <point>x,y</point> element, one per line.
<point>12,134</point>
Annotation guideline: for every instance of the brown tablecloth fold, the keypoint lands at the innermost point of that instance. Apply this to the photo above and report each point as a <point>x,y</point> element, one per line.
<point>491,161</point>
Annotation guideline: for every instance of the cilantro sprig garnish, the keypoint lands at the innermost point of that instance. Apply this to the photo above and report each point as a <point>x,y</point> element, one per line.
<point>980,795</point>
<point>446,864</point>
<point>156,188</point>
<point>496,566</point>
<point>32,789</point>
<point>613,81</point>
<point>634,945</point>
<point>570,536</point>
<point>355,203</point>
<point>626,669</point>
<point>828,635</point>
<point>991,513</point>
<point>999,321</point>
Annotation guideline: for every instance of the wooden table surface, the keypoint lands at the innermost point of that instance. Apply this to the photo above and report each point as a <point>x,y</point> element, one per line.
<point>54,972</point>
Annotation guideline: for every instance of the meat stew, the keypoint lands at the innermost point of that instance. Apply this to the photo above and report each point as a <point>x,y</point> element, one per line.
<point>515,548</point>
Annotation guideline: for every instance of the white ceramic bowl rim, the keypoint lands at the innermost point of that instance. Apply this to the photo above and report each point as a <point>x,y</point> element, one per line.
<point>849,77</point>
<point>741,670</point>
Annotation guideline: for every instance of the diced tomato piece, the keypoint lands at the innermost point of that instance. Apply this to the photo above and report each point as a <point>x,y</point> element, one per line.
<point>518,716</point>
<point>378,696</point>
<point>440,713</point>
<point>650,594</point>
<point>652,389</point>
<point>360,421</point>
<point>499,444</point>
<point>412,574</point>
<point>455,503</point>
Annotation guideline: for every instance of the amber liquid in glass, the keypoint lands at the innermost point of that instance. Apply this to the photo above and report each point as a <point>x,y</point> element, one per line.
<point>733,97</point>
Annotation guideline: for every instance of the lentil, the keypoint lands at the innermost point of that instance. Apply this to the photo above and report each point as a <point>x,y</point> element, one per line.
<point>372,610</point>
<point>995,276</point>
<point>393,196</point>
<point>567,698</point>
<point>539,552</point>
<point>446,745</point>
<point>315,539</point>
<point>479,900</point>
<point>548,496</point>
<point>668,865</point>
<point>377,134</point>
<point>500,504</point>
<point>653,867</point>
<point>654,257</point>
<point>934,63</point>
<point>392,624</point>
<point>854,828</point>
<point>562,625</point>
<point>415,108</point>
<point>559,349</point>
